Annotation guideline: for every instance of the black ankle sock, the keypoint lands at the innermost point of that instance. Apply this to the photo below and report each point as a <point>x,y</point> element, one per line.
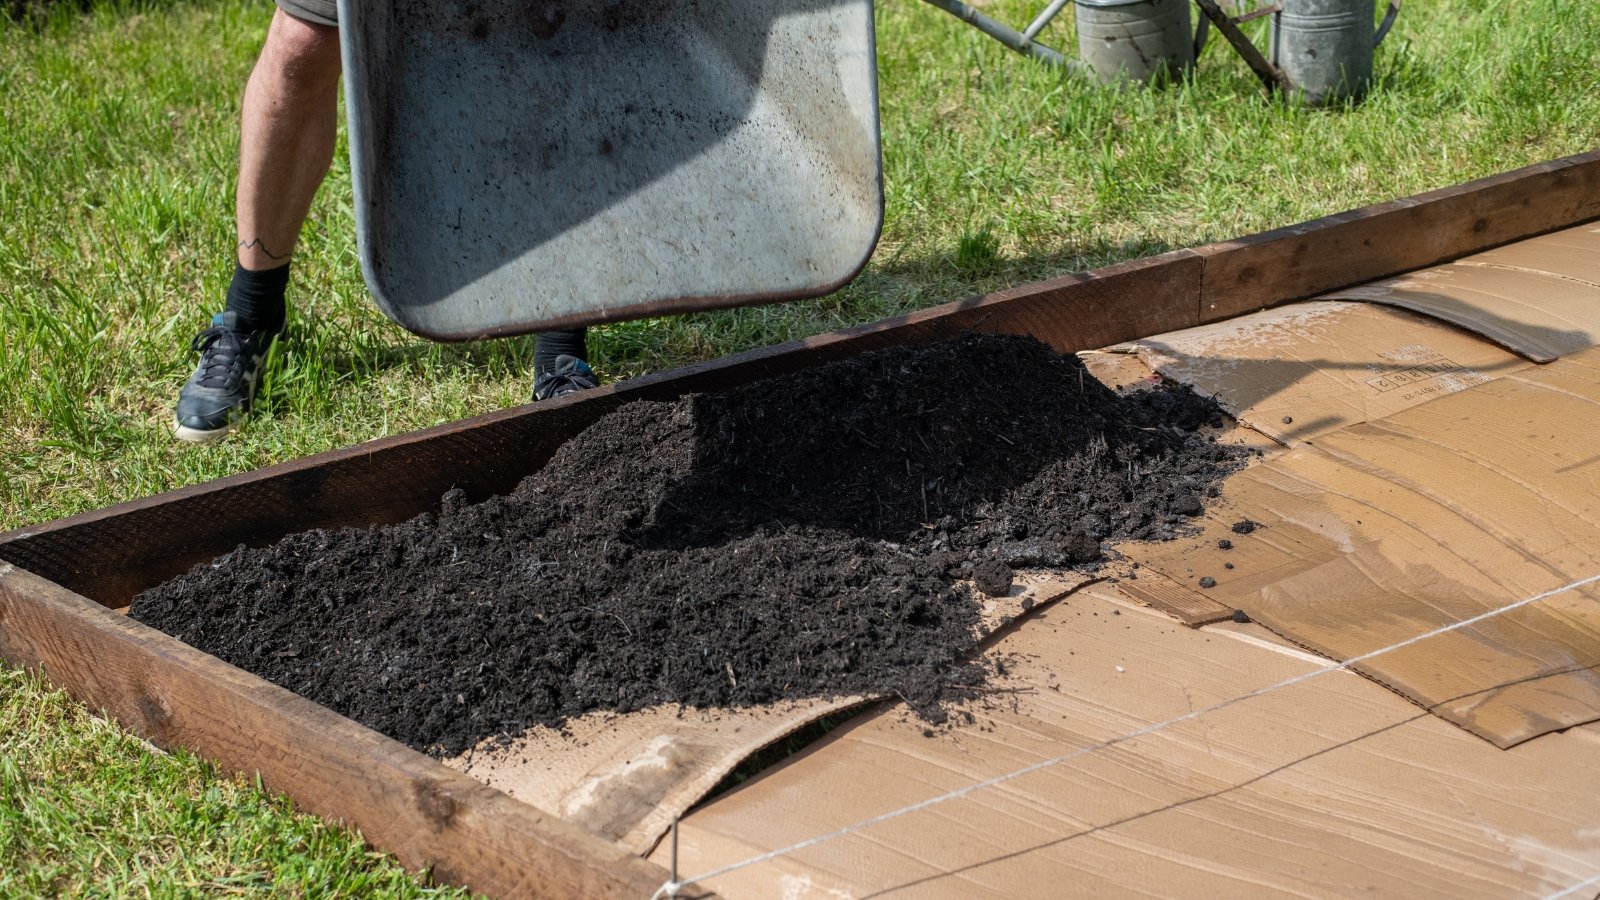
<point>552,344</point>
<point>257,297</point>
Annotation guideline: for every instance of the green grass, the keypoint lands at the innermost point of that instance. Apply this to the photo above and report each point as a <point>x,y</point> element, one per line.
<point>117,151</point>
<point>87,810</point>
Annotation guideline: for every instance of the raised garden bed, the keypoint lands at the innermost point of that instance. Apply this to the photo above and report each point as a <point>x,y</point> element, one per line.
<point>64,579</point>
<point>826,533</point>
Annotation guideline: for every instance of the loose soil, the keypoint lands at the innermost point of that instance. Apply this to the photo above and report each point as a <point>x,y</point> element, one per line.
<point>809,535</point>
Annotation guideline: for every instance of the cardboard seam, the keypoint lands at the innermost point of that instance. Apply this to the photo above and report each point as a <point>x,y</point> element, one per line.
<point>1542,272</point>
<point>1296,651</point>
<point>1364,672</point>
<point>1521,378</point>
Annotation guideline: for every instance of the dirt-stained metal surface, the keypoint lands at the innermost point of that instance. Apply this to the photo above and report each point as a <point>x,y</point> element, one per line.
<point>520,165</point>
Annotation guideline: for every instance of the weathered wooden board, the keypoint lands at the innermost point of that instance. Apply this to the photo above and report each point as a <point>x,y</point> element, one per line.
<point>1326,254</point>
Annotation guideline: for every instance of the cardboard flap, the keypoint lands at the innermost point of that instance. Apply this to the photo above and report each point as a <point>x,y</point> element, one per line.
<point>1447,510</point>
<point>1332,788</point>
<point>1472,503</point>
<point>627,777</point>
<point>1302,370</point>
<point>1539,297</point>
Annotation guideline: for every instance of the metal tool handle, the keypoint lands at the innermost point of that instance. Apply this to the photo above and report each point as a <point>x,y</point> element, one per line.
<point>1271,76</point>
<point>1387,23</point>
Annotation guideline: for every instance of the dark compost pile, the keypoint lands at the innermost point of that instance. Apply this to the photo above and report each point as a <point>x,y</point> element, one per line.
<point>807,535</point>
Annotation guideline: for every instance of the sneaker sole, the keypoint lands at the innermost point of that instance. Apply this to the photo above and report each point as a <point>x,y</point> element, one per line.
<point>199,436</point>
<point>211,435</point>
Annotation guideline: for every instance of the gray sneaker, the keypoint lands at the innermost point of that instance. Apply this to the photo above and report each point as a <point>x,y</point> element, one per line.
<point>569,374</point>
<point>218,394</point>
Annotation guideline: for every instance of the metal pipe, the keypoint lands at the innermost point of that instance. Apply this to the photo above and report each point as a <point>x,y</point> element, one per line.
<point>1044,18</point>
<point>1004,33</point>
<point>1271,76</point>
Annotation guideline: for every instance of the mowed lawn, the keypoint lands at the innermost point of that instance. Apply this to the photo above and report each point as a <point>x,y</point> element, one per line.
<point>117,149</point>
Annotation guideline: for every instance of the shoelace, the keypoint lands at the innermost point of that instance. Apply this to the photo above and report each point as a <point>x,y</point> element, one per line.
<point>566,383</point>
<point>220,350</point>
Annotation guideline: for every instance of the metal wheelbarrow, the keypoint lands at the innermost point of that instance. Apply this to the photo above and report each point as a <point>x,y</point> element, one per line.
<point>521,165</point>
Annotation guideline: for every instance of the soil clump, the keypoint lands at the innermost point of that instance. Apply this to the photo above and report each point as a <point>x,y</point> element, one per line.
<point>808,535</point>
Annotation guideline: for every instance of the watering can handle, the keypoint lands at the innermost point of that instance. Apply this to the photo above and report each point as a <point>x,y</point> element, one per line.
<point>1387,23</point>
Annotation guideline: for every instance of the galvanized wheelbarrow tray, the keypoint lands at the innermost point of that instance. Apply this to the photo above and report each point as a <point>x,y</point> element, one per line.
<point>526,165</point>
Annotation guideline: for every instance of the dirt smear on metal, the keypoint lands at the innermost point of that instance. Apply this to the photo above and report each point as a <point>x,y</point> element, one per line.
<point>809,535</point>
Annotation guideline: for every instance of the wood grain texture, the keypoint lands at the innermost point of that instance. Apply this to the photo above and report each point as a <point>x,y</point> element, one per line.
<point>112,554</point>
<point>402,801</point>
<point>1337,251</point>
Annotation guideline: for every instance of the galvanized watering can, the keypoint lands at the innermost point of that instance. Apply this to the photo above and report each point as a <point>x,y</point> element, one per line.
<point>1119,41</point>
<point>1321,50</point>
<point>1137,40</point>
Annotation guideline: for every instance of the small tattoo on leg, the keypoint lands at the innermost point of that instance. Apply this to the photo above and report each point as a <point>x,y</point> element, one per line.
<point>255,244</point>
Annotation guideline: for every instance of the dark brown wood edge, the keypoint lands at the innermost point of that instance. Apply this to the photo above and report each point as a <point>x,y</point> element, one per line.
<point>111,554</point>
<point>427,815</point>
<point>1388,239</point>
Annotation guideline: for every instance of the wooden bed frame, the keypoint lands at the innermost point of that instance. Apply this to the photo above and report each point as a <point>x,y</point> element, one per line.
<point>61,582</point>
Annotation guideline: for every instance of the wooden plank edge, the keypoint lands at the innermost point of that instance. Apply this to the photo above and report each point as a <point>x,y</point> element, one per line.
<point>403,802</point>
<point>1386,239</point>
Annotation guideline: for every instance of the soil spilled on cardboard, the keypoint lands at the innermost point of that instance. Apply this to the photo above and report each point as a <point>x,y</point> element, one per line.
<point>809,535</point>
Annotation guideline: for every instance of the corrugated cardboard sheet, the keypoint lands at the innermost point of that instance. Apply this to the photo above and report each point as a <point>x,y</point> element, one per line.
<point>1392,528</point>
<point>1331,788</point>
<point>1378,531</point>
<point>1298,371</point>
<point>1429,477</point>
<point>1539,297</point>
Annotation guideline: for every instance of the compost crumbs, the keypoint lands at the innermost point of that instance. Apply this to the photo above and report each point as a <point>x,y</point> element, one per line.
<point>809,535</point>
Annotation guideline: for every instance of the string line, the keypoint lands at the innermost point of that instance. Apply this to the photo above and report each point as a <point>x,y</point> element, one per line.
<point>671,888</point>
<point>1568,892</point>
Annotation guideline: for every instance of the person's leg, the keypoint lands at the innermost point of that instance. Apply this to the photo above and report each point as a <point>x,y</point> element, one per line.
<point>286,146</point>
<point>561,364</point>
<point>286,137</point>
